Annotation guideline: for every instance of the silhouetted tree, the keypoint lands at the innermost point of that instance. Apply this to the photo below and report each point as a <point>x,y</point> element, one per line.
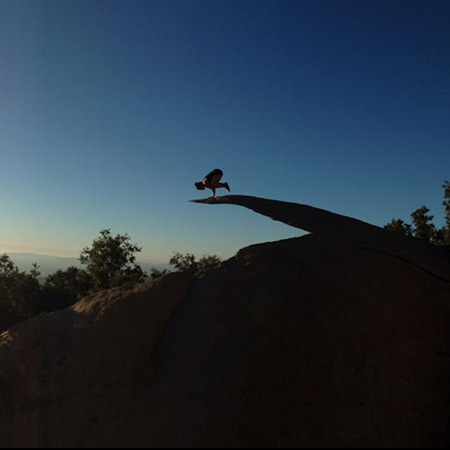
<point>423,226</point>
<point>399,226</point>
<point>188,263</point>
<point>207,262</point>
<point>446,204</point>
<point>19,291</point>
<point>111,261</point>
<point>157,273</point>
<point>64,288</point>
<point>439,237</point>
<point>183,263</point>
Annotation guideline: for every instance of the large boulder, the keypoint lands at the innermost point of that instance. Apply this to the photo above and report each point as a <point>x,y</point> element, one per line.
<point>307,342</point>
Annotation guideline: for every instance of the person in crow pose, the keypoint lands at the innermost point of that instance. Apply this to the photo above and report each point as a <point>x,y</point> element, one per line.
<point>212,181</point>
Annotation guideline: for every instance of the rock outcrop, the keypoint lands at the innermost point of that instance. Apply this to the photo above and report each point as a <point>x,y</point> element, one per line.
<point>8,319</point>
<point>338,338</point>
<point>427,257</point>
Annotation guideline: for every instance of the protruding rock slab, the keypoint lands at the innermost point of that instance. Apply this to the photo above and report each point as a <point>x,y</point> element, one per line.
<point>345,229</point>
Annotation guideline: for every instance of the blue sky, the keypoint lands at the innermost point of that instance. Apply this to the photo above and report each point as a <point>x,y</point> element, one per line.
<point>110,110</point>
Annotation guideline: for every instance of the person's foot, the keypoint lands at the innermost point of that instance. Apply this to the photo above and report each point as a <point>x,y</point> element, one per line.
<point>227,187</point>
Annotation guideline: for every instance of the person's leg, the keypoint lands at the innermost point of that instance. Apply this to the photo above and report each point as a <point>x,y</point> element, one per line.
<point>215,183</point>
<point>215,180</point>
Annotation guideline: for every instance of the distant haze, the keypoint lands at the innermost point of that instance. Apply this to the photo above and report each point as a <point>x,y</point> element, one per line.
<point>49,264</point>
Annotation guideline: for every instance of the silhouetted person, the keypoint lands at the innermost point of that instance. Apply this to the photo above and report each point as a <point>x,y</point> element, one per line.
<point>212,181</point>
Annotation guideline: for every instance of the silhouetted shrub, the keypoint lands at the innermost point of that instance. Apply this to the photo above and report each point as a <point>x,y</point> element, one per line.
<point>19,291</point>
<point>423,226</point>
<point>64,288</point>
<point>111,261</point>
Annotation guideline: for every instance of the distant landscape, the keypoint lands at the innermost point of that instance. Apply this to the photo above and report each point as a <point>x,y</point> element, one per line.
<point>49,264</point>
<point>33,283</point>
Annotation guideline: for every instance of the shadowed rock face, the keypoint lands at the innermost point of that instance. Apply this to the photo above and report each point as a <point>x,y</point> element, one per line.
<point>306,342</point>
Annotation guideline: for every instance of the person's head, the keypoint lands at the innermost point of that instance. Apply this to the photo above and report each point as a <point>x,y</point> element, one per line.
<point>200,186</point>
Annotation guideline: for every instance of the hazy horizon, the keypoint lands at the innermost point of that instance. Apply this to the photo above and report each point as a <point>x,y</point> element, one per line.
<point>28,255</point>
<point>49,264</point>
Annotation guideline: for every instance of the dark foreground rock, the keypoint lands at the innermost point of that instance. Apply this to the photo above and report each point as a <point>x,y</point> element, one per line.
<point>306,342</point>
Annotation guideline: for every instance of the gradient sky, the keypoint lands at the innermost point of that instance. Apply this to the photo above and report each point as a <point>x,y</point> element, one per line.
<point>111,110</point>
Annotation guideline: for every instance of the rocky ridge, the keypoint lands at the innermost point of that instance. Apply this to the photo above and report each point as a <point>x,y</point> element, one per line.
<point>338,338</point>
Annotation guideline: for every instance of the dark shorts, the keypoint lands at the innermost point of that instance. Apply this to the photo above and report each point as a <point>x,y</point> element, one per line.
<point>211,175</point>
